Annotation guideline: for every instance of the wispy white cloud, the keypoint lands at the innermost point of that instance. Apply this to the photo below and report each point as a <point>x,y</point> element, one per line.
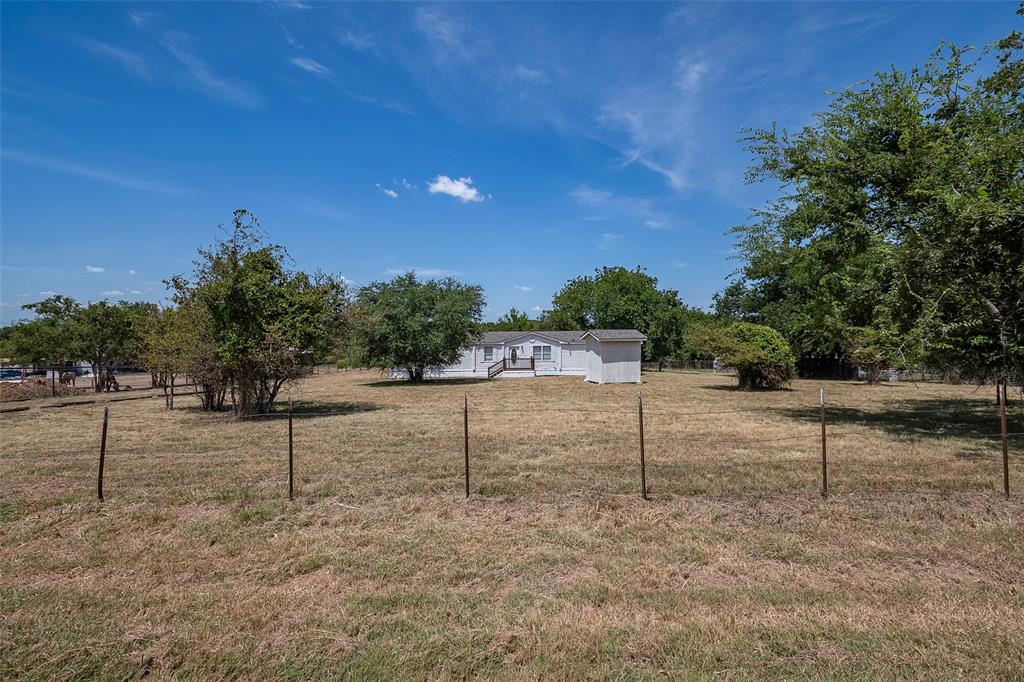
<point>423,272</point>
<point>47,293</point>
<point>140,19</point>
<point>532,75</point>
<point>94,268</point>
<point>125,58</point>
<point>446,33</point>
<point>319,70</point>
<point>690,75</point>
<point>826,20</point>
<point>645,133</point>
<point>389,192</point>
<point>680,264</point>
<point>311,65</point>
<point>536,309</point>
<point>131,272</point>
<point>113,292</point>
<point>405,183</point>
<point>356,41</point>
<point>605,205</point>
<point>522,287</point>
<point>84,171</point>
<point>180,46</point>
<point>291,4</point>
<point>461,188</point>
<point>135,292</point>
<point>290,39</point>
<point>609,241</point>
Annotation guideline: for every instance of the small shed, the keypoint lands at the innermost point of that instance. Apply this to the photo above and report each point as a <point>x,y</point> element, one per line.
<point>613,355</point>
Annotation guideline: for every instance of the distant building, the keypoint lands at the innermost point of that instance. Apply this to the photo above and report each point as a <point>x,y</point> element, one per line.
<point>601,356</point>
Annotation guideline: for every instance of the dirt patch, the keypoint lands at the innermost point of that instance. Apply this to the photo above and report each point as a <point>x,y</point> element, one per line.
<point>35,387</point>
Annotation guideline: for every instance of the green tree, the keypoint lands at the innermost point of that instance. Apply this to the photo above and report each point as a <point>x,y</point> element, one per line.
<point>164,346</point>
<point>65,332</point>
<point>874,351</point>
<point>415,326</point>
<point>902,211</point>
<point>259,324</point>
<point>513,321</point>
<point>617,298</point>
<point>52,338</point>
<point>108,334</point>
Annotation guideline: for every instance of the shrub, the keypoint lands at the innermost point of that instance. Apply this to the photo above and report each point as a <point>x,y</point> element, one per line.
<point>759,354</point>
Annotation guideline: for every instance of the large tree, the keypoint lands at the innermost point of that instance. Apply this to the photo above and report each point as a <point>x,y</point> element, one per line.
<point>415,326</point>
<point>617,298</point>
<point>902,211</point>
<point>109,334</point>
<point>258,324</point>
<point>52,338</point>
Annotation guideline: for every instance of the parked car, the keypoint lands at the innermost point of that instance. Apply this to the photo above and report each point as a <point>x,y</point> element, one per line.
<point>10,375</point>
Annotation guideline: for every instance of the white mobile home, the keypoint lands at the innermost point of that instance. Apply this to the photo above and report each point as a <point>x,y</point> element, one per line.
<point>603,356</point>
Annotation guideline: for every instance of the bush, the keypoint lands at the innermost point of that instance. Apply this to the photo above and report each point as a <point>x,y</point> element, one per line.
<point>759,354</point>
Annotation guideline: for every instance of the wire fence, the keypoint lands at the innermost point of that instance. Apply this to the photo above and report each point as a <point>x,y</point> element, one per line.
<point>631,456</point>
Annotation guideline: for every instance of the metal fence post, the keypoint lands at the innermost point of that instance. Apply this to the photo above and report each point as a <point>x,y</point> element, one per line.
<point>824,446</point>
<point>643,461</point>
<point>103,452</point>
<point>291,471</point>
<point>1005,435</point>
<point>465,434</point>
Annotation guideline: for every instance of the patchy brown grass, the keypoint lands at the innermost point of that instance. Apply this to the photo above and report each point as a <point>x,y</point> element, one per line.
<point>197,565</point>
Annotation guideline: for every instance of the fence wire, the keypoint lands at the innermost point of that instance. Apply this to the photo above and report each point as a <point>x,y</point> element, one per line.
<point>661,462</point>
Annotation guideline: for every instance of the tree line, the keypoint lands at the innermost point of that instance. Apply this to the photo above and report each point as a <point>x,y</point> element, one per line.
<point>897,236</point>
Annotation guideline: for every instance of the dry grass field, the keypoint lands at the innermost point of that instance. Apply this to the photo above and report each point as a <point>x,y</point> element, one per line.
<point>197,565</point>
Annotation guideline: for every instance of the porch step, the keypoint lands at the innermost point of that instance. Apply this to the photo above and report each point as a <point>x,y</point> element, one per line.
<point>522,366</point>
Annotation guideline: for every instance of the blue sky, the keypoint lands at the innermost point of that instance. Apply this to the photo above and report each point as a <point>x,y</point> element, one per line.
<point>513,146</point>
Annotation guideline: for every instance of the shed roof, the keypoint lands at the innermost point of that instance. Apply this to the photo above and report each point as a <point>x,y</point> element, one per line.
<point>615,335</point>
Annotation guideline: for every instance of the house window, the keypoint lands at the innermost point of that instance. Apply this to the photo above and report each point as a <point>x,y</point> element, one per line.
<point>542,353</point>
<point>488,353</point>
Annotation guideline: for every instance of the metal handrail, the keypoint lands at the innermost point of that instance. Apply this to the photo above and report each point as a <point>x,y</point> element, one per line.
<point>496,369</point>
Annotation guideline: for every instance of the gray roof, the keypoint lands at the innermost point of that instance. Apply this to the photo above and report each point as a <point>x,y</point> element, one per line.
<point>616,335</point>
<point>501,337</point>
<point>566,336</point>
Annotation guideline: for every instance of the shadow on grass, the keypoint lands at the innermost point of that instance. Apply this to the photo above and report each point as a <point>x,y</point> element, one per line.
<point>300,410</point>
<point>735,388</point>
<point>932,419</point>
<point>314,410</point>
<point>449,381</point>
